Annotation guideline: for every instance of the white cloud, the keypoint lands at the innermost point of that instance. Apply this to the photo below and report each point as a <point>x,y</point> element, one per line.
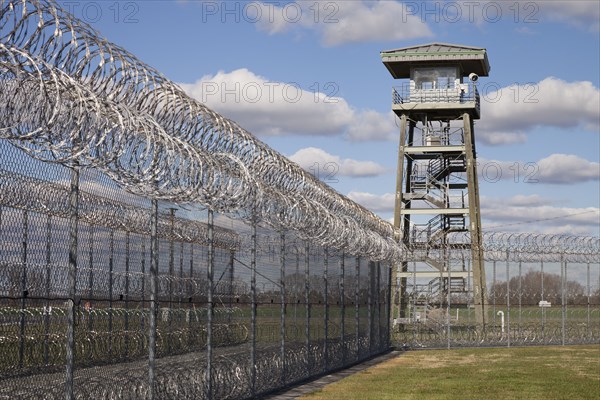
<point>508,113</point>
<point>372,125</point>
<point>264,107</point>
<point>583,14</point>
<point>373,202</point>
<point>567,168</point>
<point>340,22</point>
<point>554,169</point>
<point>536,214</point>
<point>271,108</point>
<point>315,160</point>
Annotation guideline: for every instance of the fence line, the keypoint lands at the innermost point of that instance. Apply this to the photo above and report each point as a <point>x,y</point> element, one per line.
<point>151,248</point>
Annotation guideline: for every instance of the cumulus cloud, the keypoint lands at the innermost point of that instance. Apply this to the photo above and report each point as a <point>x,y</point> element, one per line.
<point>583,14</point>
<point>513,110</point>
<point>562,169</point>
<point>344,22</point>
<point>374,202</point>
<point>318,161</point>
<point>268,108</point>
<point>531,214</point>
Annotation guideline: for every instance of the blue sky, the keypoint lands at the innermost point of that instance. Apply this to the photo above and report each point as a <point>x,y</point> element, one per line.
<point>306,77</point>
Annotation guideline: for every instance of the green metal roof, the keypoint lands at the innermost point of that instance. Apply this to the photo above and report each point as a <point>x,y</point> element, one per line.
<point>471,59</point>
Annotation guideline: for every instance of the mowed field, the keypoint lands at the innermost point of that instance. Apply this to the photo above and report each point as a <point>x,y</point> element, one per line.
<point>529,373</point>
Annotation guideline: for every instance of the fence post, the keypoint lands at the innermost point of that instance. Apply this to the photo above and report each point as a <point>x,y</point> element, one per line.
<point>357,307</point>
<point>253,309</point>
<point>326,308</point>
<point>91,276</point>
<point>448,309</point>
<point>494,293</point>
<point>72,279</point>
<point>126,297</point>
<point>231,278</point>
<point>209,305</point>
<point>520,297</point>
<point>191,306</point>
<point>111,250</point>
<point>543,308</point>
<point>283,305</point>
<point>171,273</point>
<point>370,305</point>
<point>563,277</point>
<point>24,293</point>
<point>47,302</point>
<point>153,298</point>
<point>342,308</point>
<point>507,300</point>
<point>307,302</point>
<point>589,330</point>
<point>388,303</point>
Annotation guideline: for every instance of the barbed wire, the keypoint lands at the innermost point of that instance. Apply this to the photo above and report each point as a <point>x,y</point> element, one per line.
<point>77,98</point>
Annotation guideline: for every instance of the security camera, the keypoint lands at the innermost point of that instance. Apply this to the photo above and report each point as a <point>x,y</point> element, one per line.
<point>473,77</point>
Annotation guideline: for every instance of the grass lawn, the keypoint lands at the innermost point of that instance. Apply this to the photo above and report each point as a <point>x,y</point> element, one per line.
<point>551,372</point>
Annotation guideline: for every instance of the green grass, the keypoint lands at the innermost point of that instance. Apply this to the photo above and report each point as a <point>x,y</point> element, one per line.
<point>531,373</point>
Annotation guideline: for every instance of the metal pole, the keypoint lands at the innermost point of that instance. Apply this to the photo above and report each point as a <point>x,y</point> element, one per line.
<point>47,302</point>
<point>24,291</point>
<point>379,298</point>
<point>283,305</point>
<point>143,268</point>
<point>543,308</point>
<point>171,274</point>
<point>192,307</point>
<point>72,279</point>
<point>588,301</point>
<point>520,296</point>
<point>507,300</point>
<point>153,298</point>
<point>231,292</point>
<point>110,290</point>
<point>563,278</point>
<point>357,307</point>
<point>126,295</point>
<point>388,306</point>
<point>326,308</point>
<point>307,302</point>
<point>370,305</point>
<point>448,293</point>
<point>209,327</point>
<point>494,291</point>
<point>91,276</point>
<point>180,289</point>
<point>342,309</point>
<point>253,310</point>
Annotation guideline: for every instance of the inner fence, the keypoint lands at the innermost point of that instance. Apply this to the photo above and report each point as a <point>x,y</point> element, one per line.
<point>541,290</point>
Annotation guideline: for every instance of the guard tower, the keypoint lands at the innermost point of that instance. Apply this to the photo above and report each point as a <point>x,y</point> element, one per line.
<point>437,197</point>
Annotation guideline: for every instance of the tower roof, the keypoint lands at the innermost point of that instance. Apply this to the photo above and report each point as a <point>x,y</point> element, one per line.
<point>471,59</point>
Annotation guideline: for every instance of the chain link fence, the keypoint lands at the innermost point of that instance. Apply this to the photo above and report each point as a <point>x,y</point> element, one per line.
<point>541,290</point>
<point>240,309</point>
